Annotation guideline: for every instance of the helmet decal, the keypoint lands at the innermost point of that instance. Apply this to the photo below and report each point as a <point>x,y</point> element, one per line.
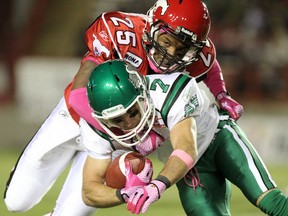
<point>162,4</point>
<point>183,30</point>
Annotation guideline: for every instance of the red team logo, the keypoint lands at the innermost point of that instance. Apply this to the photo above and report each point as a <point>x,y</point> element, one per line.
<point>99,48</point>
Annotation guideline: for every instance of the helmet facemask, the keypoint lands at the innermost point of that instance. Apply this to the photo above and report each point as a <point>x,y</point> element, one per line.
<point>170,63</point>
<point>141,102</point>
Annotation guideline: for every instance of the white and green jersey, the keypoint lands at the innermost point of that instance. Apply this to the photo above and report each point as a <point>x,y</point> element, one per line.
<point>175,97</point>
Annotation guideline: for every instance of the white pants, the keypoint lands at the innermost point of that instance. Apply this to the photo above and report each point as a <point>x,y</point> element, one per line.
<point>49,152</point>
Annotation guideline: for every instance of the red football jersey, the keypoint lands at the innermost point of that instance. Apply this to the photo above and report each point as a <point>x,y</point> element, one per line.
<point>118,35</point>
<point>205,61</point>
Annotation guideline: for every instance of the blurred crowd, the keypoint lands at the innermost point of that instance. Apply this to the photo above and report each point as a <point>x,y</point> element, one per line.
<point>251,38</point>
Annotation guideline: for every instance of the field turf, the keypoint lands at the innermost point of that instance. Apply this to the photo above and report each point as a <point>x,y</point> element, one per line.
<point>168,205</point>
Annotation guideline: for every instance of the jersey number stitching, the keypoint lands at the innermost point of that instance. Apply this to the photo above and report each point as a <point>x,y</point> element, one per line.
<point>124,37</point>
<point>161,84</point>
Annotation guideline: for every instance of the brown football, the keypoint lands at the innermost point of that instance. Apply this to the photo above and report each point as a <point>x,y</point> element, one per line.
<point>115,174</point>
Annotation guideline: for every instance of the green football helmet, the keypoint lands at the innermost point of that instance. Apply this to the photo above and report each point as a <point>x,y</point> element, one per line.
<point>113,88</point>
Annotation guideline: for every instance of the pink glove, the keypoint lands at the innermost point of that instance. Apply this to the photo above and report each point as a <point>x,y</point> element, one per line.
<point>152,141</point>
<point>144,196</point>
<point>227,103</point>
<point>125,193</point>
<point>140,179</point>
<point>133,181</point>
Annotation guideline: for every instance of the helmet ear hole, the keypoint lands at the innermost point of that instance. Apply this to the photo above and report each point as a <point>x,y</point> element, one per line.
<point>117,78</point>
<point>90,86</point>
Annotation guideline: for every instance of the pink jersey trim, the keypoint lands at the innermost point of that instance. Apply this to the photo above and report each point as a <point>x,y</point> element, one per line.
<point>79,102</point>
<point>215,80</point>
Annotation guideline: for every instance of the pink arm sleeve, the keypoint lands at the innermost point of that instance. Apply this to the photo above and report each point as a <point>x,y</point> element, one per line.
<point>79,102</point>
<point>214,80</point>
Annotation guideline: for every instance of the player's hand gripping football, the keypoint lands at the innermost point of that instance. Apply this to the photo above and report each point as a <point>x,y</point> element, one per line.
<point>134,181</point>
<point>151,142</point>
<point>227,103</point>
<point>144,196</point>
<point>140,179</point>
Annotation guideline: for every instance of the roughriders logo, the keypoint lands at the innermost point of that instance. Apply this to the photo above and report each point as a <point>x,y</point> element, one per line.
<point>191,106</point>
<point>99,48</point>
<point>192,102</point>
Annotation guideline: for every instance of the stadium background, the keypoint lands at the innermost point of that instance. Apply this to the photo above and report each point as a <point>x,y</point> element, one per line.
<point>41,44</point>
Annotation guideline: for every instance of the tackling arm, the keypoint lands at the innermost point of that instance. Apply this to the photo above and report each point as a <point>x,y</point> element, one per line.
<point>82,76</point>
<point>78,98</point>
<point>215,82</point>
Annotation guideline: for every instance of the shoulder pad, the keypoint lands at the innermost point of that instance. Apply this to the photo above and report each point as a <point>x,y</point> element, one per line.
<point>204,62</point>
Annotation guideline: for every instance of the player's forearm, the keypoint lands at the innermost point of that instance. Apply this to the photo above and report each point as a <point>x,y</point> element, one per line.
<point>178,164</point>
<point>99,196</point>
<point>183,139</point>
<point>214,80</point>
<point>79,102</point>
<point>174,170</point>
<point>83,74</point>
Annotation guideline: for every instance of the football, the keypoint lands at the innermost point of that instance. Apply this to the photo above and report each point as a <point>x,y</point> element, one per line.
<point>115,174</point>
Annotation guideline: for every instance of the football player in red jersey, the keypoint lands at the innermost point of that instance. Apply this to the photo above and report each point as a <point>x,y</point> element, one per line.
<point>164,41</point>
<point>172,37</point>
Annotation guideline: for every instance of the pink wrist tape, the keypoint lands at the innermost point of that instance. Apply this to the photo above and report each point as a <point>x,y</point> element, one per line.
<point>186,158</point>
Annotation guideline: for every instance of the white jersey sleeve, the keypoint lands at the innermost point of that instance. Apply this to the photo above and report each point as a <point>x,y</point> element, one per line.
<point>97,146</point>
